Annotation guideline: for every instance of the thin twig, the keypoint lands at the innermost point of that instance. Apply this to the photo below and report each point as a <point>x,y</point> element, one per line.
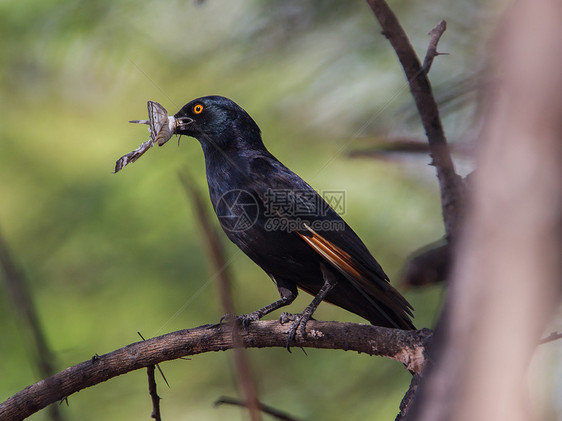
<point>212,242</point>
<point>554,336</point>
<point>22,303</point>
<point>264,408</point>
<point>153,393</point>
<point>435,35</point>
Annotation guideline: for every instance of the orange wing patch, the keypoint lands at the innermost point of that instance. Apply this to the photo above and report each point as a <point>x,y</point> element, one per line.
<point>354,271</point>
<point>374,288</point>
<point>332,253</point>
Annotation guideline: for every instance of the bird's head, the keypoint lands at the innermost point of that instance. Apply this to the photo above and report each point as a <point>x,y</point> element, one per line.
<point>217,119</point>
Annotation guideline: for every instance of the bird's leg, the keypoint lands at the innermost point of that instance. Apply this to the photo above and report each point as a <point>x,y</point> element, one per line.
<point>300,323</point>
<point>288,294</point>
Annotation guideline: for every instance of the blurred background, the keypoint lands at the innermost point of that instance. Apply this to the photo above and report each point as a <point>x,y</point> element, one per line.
<point>107,255</point>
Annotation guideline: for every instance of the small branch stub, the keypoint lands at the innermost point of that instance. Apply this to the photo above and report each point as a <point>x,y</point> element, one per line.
<point>435,35</point>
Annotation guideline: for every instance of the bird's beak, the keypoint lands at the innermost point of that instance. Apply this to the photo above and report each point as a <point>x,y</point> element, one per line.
<point>182,123</point>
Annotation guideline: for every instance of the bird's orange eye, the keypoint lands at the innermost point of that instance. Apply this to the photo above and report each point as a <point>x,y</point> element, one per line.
<point>198,109</point>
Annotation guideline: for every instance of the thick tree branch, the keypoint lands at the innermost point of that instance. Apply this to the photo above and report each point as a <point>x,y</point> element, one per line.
<point>407,347</point>
<point>505,283</point>
<point>450,182</point>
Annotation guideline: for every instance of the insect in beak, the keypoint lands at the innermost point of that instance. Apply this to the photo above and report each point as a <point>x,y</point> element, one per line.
<point>161,127</point>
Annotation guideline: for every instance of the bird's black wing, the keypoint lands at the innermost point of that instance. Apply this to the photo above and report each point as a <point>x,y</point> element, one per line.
<point>340,247</point>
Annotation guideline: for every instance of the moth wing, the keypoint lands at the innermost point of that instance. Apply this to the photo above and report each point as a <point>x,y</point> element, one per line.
<point>157,117</point>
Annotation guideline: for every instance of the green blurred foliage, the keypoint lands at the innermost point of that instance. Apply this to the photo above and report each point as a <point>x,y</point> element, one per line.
<point>109,255</point>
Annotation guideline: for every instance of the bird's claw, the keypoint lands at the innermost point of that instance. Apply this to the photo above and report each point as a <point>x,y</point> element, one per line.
<point>299,324</point>
<point>227,318</point>
<point>246,319</point>
<point>287,317</point>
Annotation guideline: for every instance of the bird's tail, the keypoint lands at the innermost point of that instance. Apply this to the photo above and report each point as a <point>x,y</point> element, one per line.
<point>381,308</point>
<point>365,289</point>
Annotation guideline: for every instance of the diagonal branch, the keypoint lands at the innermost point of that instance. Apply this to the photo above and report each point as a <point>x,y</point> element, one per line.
<point>215,250</point>
<point>30,325</point>
<point>449,181</point>
<point>407,347</point>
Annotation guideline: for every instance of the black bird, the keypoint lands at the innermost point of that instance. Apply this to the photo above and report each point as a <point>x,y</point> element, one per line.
<point>283,224</point>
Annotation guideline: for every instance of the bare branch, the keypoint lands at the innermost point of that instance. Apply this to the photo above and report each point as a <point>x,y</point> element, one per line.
<point>427,266</point>
<point>23,306</point>
<point>450,182</point>
<point>153,393</point>
<point>264,408</point>
<point>212,242</point>
<point>407,347</point>
<point>409,397</point>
